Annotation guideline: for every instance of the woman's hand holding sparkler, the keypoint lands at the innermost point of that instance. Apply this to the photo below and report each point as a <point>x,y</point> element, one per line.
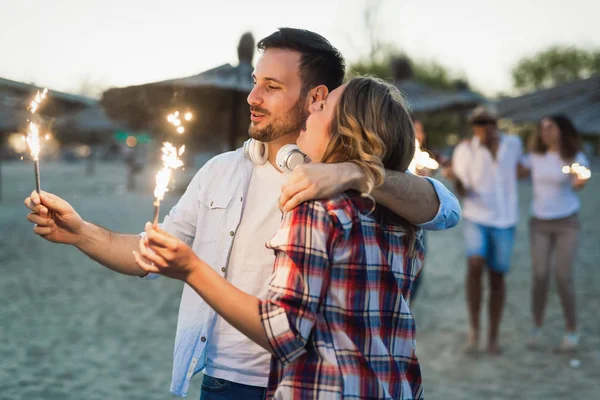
<point>579,175</point>
<point>165,254</point>
<point>55,220</point>
<point>578,183</point>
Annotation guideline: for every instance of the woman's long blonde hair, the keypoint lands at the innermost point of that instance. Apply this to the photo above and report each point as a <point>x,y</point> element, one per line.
<point>373,129</point>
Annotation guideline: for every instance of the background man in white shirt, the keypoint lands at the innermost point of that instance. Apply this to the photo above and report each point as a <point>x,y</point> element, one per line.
<point>485,172</point>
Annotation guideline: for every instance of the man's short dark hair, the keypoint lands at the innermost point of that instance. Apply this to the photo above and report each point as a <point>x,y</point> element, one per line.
<point>320,62</point>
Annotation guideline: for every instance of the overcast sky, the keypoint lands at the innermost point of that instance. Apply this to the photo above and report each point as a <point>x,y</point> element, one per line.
<point>61,43</point>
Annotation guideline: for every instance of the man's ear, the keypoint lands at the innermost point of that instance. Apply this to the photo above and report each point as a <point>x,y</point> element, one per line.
<point>318,93</point>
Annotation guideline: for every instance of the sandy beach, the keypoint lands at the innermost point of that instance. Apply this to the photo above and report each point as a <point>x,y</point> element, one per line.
<point>71,329</point>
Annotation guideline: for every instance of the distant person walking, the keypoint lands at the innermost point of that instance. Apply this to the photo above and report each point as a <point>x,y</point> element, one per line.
<point>485,169</point>
<point>554,225</point>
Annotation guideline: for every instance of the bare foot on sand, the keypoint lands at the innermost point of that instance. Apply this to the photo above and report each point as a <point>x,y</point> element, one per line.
<point>494,349</point>
<point>472,346</point>
<point>569,344</point>
<point>534,341</point>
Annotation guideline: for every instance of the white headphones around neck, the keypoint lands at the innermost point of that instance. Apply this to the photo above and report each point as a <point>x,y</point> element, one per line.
<point>288,157</point>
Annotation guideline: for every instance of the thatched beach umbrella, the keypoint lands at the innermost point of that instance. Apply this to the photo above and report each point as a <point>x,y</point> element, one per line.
<point>12,120</point>
<point>424,99</point>
<point>444,109</point>
<point>88,126</point>
<point>579,100</point>
<point>91,126</point>
<point>15,97</point>
<point>216,97</point>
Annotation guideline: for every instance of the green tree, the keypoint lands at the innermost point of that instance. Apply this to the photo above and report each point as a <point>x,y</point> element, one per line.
<point>381,69</point>
<point>380,57</point>
<point>431,73</point>
<point>555,65</point>
<point>385,60</point>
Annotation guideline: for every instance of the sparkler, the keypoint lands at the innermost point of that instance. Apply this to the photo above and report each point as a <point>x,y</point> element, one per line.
<point>171,161</point>
<point>421,160</point>
<point>577,169</point>
<point>33,136</point>
<point>175,120</point>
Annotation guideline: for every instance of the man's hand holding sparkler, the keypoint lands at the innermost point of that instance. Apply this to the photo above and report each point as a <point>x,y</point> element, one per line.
<point>55,220</point>
<point>165,254</point>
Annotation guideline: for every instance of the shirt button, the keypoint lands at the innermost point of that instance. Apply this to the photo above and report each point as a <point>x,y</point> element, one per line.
<point>223,269</point>
<point>231,233</point>
<point>203,338</point>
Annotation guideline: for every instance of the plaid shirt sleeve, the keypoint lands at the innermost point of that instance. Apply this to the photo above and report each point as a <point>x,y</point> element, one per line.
<point>299,281</point>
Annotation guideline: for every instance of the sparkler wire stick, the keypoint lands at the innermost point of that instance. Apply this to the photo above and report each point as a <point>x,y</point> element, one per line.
<point>36,167</point>
<point>156,212</point>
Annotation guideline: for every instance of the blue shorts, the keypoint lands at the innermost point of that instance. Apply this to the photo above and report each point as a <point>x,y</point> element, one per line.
<point>495,245</point>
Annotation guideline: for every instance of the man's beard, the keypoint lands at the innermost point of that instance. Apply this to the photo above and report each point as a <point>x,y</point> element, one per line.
<point>291,123</point>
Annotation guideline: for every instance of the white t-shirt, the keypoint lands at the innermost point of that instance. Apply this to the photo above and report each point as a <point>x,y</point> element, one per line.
<point>491,184</point>
<point>230,354</point>
<point>553,195</point>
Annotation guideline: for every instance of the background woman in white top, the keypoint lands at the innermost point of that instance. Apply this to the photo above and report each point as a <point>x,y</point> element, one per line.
<point>554,224</point>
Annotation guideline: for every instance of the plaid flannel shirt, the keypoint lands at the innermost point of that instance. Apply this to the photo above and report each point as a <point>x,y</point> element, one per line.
<point>337,312</point>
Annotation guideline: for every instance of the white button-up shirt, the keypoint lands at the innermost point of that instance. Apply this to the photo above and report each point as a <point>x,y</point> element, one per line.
<point>491,184</point>
<point>206,218</point>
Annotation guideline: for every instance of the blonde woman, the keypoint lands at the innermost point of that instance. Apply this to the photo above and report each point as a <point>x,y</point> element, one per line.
<point>554,224</point>
<point>336,317</point>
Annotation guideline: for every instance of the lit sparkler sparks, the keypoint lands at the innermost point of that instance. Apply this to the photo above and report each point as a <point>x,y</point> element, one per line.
<point>576,169</point>
<point>171,161</point>
<point>421,160</point>
<point>33,136</point>
<point>176,120</point>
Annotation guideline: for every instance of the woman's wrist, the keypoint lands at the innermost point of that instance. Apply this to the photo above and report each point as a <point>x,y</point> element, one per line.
<point>194,274</point>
